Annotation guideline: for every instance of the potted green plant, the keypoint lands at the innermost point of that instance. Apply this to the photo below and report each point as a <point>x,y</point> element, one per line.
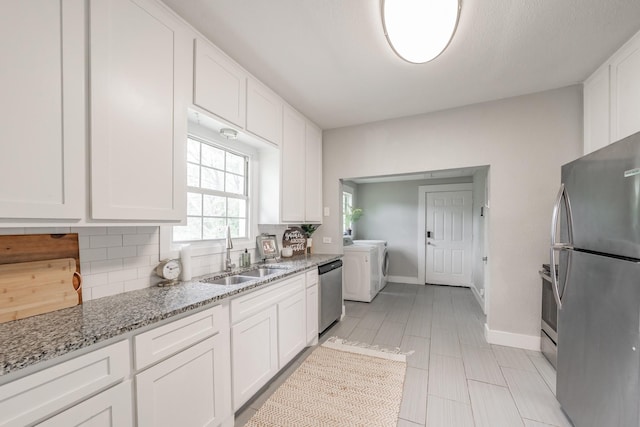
<point>352,215</point>
<point>309,229</point>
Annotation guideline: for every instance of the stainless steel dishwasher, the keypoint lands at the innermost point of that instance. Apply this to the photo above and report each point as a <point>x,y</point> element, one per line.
<point>330,293</point>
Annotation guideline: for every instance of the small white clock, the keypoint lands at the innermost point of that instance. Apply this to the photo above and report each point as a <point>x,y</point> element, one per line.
<point>169,269</point>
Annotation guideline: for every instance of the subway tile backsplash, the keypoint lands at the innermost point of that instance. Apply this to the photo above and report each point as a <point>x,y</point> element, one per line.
<point>114,260</point>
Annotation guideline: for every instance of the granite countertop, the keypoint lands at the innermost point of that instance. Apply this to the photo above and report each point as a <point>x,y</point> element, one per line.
<point>29,341</point>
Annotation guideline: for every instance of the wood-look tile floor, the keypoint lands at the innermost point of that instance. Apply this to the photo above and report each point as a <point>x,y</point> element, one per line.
<point>454,377</point>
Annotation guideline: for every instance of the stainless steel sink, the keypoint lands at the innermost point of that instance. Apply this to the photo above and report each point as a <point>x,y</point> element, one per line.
<point>261,272</point>
<point>229,280</point>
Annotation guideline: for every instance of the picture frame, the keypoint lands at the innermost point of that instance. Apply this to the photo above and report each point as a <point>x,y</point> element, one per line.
<point>267,246</point>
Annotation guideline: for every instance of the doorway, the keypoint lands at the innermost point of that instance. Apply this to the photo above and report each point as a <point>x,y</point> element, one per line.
<point>445,242</point>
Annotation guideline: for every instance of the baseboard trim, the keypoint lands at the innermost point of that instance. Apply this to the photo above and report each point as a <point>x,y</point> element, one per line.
<point>509,339</point>
<point>404,279</point>
<point>480,300</point>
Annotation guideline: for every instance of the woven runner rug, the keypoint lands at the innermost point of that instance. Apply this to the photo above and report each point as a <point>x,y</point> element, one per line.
<point>339,384</point>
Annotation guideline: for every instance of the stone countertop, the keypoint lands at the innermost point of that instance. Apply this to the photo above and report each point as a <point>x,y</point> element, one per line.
<point>29,341</point>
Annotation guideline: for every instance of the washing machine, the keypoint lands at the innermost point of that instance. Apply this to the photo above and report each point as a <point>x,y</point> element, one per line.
<point>383,259</point>
<point>360,271</point>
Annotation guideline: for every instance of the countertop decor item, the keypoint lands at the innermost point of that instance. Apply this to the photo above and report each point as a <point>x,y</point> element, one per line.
<point>296,239</point>
<point>339,384</point>
<point>37,287</point>
<point>267,246</point>
<point>40,247</point>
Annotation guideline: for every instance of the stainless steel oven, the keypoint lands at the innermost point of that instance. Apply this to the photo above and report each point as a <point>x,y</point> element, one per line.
<point>549,323</point>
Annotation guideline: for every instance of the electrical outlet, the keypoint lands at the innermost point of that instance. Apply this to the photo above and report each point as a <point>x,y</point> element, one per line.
<point>326,240</point>
<point>326,211</point>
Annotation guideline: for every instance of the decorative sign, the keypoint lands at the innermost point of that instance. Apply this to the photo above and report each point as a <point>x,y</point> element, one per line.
<point>295,239</point>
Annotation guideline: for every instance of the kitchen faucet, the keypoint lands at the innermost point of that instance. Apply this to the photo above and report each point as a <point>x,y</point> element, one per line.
<point>228,266</point>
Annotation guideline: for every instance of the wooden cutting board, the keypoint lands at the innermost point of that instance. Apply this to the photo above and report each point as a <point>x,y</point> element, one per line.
<point>41,247</point>
<point>36,287</point>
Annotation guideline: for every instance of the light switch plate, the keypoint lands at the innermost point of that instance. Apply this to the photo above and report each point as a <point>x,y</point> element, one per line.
<point>326,240</point>
<point>326,211</point>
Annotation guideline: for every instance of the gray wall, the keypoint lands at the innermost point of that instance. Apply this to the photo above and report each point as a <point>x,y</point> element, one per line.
<point>391,214</point>
<point>525,140</point>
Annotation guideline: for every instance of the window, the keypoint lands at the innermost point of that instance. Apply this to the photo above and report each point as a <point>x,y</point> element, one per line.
<point>217,195</point>
<point>347,204</point>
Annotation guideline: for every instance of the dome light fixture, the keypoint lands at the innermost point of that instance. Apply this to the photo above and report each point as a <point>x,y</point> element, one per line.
<point>229,133</point>
<point>418,31</point>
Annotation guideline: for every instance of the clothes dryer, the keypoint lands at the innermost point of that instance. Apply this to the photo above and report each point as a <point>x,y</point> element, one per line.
<point>360,271</point>
<point>382,263</point>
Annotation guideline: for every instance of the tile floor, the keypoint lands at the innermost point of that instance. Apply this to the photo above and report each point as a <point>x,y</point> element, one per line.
<point>454,377</point>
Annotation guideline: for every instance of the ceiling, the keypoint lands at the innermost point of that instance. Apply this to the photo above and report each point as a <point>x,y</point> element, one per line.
<point>330,59</point>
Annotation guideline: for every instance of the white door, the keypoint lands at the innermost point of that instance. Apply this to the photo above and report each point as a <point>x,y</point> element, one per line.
<point>448,236</point>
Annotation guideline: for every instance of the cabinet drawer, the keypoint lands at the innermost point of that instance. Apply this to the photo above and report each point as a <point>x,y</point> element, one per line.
<point>312,277</point>
<point>111,408</point>
<point>248,305</point>
<point>158,343</point>
<point>39,395</point>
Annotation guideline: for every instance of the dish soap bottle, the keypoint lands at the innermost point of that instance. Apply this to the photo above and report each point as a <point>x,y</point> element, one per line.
<point>245,259</point>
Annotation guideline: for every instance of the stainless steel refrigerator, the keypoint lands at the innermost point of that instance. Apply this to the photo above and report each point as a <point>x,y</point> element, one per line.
<point>596,245</point>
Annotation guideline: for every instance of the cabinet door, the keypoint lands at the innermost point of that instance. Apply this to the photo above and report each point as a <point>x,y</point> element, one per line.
<point>625,90</point>
<point>219,85</point>
<point>140,59</point>
<point>264,112</point>
<point>293,165</point>
<point>312,314</point>
<point>292,330</point>
<point>42,109</point>
<point>254,352</point>
<point>192,388</point>
<point>596,111</point>
<point>313,174</point>
<point>111,408</point>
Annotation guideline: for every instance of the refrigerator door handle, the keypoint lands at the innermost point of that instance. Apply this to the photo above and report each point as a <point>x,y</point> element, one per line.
<point>559,246</point>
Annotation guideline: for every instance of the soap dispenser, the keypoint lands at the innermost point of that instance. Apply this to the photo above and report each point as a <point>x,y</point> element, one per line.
<point>245,259</point>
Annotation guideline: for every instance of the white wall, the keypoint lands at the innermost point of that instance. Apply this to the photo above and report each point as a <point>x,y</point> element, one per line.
<point>478,252</point>
<point>524,140</point>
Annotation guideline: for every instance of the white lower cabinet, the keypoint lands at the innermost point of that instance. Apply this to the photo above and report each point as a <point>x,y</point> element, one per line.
<point>254,349</point>
<point>292,327</point>
<point>264,340</point>
<point>111,408</point>
<point>188,389</point>
<point>191,384</point>
<point>312,314</point>
<point>313,307</point>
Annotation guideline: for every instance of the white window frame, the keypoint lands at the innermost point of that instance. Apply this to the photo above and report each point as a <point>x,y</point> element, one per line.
<point>171,249</point>
<point>349,190</point>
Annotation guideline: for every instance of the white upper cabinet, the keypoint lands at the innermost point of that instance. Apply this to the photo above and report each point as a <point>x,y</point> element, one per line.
<point>612,98</point>
<point>42,109</point>
<point>219,84</point>
<point>596,111</point>
<point>293,168</point>
<point>140,58</point>
<point>313,174</point>
<point>299,169</point>
<point>625,90</point>
<point>264,112</point>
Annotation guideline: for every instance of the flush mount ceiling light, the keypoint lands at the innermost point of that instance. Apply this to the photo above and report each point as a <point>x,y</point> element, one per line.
<point>419,30</point>
<point>229,133</point>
